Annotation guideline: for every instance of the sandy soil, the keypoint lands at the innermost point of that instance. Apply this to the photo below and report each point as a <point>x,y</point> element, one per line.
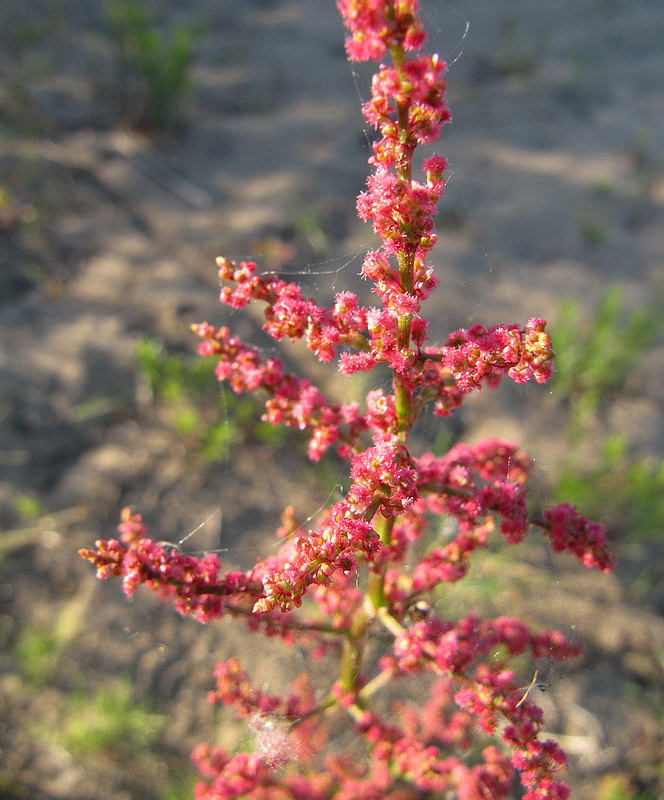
<point>108,235</point>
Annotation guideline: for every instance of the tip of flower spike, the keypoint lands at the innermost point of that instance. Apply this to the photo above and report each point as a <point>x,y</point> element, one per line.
<point>376,27</point>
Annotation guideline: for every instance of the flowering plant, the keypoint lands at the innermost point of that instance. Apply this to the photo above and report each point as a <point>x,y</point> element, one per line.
<point>371,566</point>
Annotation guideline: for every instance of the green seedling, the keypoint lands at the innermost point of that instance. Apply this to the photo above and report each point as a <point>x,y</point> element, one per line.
<point>110,719</point>
<point>154,68</point>
<point>519,60</point>
<point>180,787</point>
<point>29,507</point>
<point>628,492</point>
<point>198,407</point>
<point>618,787</point>
<point>596,354</point>
<point>39,648</point>
<point>644,164</point>
<point>593,231</point>
<point>37,653</point>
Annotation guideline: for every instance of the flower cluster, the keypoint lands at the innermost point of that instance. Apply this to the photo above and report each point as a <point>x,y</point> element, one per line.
<point>369,569</point>
<point>376,27</point>
<point>571,531</point>
<point>192,584</point>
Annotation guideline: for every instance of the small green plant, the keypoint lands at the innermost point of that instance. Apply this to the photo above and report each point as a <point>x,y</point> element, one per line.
<point>110,719</point>
<point>27,506</point>
<point>180,787</point>
<point>644,164</point>
<point>618,787</point>
<point>38,648</point>
<point>519,59</point>
<point>594,355</point>
<point>593,231</point>
<point>187,390</point>
<point>153,68</point>
<point>629,492</point>
<point>37,653</point>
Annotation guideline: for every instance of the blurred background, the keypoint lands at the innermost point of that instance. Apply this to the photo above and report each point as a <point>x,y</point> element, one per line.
<point>141,139</point>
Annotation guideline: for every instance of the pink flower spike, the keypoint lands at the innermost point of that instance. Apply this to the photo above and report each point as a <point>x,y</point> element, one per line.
<point>361,581</point>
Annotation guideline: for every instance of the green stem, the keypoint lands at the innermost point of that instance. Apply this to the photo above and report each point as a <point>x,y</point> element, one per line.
<point>376,592</point>
<point>353,650</point>
<point>403,400</point>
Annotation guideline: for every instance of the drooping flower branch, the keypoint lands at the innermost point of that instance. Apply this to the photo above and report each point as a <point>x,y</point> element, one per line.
<point>371,566</point>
